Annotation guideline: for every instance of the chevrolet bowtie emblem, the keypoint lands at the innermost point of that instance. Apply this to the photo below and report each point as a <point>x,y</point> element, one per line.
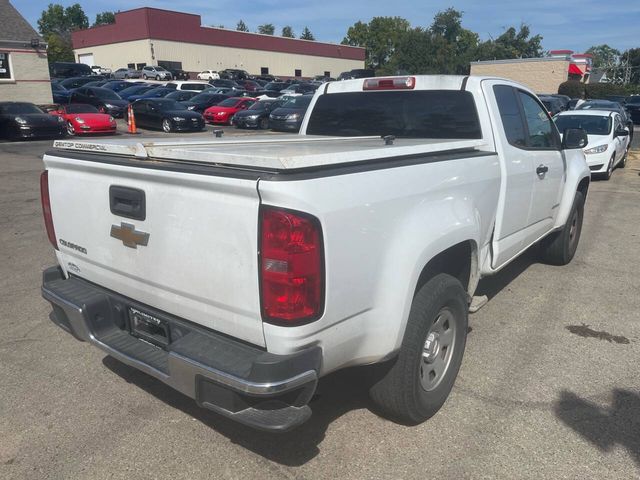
<point>129,235</point>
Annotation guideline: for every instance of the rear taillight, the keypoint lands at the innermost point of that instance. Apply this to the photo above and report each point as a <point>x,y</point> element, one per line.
<point>46,208</point>
<point>291,267</point>
<point>394,83</point>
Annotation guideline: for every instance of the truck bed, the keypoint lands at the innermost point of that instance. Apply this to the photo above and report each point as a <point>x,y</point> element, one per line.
<point>268,151</point>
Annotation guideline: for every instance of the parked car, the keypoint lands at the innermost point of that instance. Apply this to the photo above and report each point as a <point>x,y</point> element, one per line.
<point>288,117</point>
<point>231,92</point>
<point>69,69</point>
<point>204,100</point>
<point>249,85</point>
<point>621,99</point>
<point>178,74</point>
<point>633,107</point>
<point>357,73</point>
<point>241,273</point>
<point>234,74</point>
<point>272,89</point>
<point>157,92</point>
<point>193,85</point>
<point>168,115</point>
<point>59,93</point>
<point>98,70</point>
<point>608,138</point>
<point>157,72</point>
<point>82,119</point>
<point>208,75</point>
<point>97,83</point>
<point>225,110</point>
<point>128,92</point>
<point>224,82</point>
<point>553,105</point>
<point>266,78</point>
<point>573,103</point>
<point>181,95</point>
<point>610,106</point>
<point>105,100</point>
<point>117,85</point>
<point>22,120</point>
<point>299,89</point>
<point>124,73</point>
<point>75,82</point>
<point>257,115</point>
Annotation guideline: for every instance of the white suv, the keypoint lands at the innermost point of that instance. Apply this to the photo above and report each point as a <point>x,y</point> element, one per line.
<point>191,85</point>
<point>158,73</point>
<point>208,75</point>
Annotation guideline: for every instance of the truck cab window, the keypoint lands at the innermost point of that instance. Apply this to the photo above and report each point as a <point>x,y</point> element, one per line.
<point>510,115</point>
<point>540,128</point>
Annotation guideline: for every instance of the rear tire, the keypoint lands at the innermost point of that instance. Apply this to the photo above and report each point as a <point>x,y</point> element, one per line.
<point>264,124</point>
<point>166,125</point>
<point>420,379</point>
<point>144,76</point>
<point>623,162</point>
<point>157,77</point>
<point>560,247</point>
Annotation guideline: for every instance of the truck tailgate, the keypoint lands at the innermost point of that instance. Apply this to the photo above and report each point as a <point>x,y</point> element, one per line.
<point>200,259</point>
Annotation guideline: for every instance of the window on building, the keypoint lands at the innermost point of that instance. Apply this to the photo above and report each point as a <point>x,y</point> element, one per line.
<point>140,66</point>
<point>264,70</point>
<point>170,65</point>
<point>5,67</point>
<point>298,73</point>
<point>131,65</point>
<point>327,73</point>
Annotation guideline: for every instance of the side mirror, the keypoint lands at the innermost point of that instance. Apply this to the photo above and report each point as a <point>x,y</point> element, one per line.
<point>574,138</point>
<point>621,132</point>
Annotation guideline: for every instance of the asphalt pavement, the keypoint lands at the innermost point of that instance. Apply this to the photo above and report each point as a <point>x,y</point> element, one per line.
<point>548,387</point>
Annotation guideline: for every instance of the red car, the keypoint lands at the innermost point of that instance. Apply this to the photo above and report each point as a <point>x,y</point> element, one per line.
<point>82,119</point>
<point>222,112</point>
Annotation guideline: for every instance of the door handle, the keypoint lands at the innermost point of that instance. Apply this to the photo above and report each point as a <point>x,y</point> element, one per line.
<point>541,170</point>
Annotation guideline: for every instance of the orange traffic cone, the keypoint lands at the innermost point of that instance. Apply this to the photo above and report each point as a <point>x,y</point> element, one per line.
<point>131,120</point>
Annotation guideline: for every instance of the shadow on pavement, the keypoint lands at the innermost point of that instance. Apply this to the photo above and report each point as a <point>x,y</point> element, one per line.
<point>492,285</point>
<point>604,427</point>
<point>337,394</point>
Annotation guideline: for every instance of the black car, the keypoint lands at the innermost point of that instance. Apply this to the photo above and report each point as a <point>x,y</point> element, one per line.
<point>357,73</point>
<point>204,100</point>
<point>105,100</point>
<point>621,99</point>
<point>610,106</point>
<point>257,115</point>
<point>75,82</point>
<point>60,94</point>
<point>234,74</point>
<point>117,85</point>
<point>288,118</point>
<point>178,74</point>
<point>69,69</point>
<point>272,89</point>
<point>553,105</point>
<point>168,115</point>
<point>182,95</point>
<point>25,120</point>
<point>223,82</point>
<point>633,107</point>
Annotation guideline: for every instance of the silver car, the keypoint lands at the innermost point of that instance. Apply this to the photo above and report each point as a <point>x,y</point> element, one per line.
<point>158,73</point>
<point>124,73</point>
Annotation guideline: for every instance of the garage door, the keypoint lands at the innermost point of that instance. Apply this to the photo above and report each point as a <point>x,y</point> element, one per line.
<point>86,58</point>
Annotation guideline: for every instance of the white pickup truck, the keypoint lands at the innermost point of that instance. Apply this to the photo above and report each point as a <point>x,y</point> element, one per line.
<point>241,270</point>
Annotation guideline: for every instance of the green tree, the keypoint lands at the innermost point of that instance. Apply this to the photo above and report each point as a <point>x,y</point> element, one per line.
<point>242,27</point>
<point>380,37</point>
<point>307,35</point>
<point>266,29</point>
<point>56,24</point>
<point>511,44</point>
<point>604,55</point>
<point>58,49</point>
<point>104,18</point>
<point>287,31</point>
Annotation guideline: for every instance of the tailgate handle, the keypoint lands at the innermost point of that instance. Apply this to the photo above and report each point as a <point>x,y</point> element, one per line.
<point>127,202</point>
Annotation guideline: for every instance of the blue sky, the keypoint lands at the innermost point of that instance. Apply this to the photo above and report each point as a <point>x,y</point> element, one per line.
<point>564,24</point>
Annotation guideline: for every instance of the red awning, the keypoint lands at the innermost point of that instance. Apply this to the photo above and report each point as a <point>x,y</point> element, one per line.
<point>574,69</point>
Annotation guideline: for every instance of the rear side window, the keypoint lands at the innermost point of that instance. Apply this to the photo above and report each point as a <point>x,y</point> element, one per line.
<point>510,115</point>
<point>413,114</point>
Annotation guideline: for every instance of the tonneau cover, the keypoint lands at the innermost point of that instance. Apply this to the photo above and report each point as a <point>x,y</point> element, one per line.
<point>269,151</point>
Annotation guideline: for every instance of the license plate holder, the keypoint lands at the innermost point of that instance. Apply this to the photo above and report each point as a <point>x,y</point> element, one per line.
<point>149,327</point>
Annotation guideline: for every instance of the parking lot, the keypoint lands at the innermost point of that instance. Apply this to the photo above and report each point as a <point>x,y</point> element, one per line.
<point>548,386</point>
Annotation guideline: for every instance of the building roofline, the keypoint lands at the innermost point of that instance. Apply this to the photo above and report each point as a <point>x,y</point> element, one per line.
<point>519,60</point>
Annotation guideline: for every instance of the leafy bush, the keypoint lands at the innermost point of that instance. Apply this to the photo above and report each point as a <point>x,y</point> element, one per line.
<point>572,88</point>
<point>601,90</point>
